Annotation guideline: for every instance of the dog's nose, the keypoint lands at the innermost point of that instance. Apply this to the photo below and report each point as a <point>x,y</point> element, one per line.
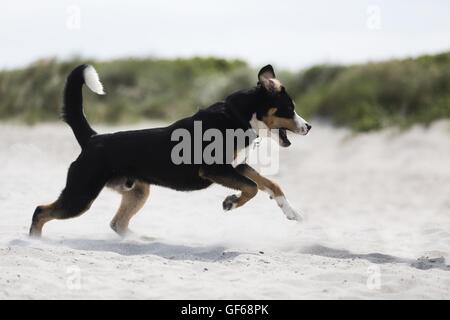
<point>308,126</point>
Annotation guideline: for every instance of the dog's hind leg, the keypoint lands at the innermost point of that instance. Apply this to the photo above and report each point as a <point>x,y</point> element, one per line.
<point>42,214</point>
<point>133,199</point>
<point>272,188</point>
<point>227,176</point>
<point>85,180</point>
<point>67,206</point>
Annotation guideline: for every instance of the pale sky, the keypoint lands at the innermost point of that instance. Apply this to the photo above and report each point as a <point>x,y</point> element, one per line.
<point>287,33</point>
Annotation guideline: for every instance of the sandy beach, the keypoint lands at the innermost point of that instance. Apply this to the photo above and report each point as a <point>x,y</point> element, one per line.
<point>377,225</point>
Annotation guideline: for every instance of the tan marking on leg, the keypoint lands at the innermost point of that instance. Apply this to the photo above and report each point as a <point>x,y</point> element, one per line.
<point>273,189</point>
<point>132,201</point>
<point>235,201</point>
<point>236,181</point>
<point>246,194</point>
<point>41,216</point>
<point>44,214</point>
<point>263,183</point>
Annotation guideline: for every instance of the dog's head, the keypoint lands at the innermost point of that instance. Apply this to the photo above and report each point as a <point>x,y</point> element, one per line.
<point>277,110</point>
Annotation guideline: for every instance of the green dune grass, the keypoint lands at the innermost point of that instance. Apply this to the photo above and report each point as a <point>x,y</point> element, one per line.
<point>363,97</point>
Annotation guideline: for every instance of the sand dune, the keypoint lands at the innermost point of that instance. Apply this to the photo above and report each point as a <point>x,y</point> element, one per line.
<point>377,225</point>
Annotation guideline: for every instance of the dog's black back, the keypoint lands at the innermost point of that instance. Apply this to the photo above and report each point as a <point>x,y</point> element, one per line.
<point>146,154</point>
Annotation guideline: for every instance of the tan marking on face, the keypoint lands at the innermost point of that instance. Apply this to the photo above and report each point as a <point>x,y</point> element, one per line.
<point>274,122</point>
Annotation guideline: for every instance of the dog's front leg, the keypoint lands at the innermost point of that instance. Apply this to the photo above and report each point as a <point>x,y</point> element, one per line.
<point>272,189</point>
<point>227,176</point>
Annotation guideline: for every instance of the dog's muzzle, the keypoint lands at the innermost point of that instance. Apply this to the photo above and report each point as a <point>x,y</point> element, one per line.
<point>299,126</point>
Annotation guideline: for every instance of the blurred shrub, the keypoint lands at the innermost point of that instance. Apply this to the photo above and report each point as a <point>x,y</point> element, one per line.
<point>136,88</point>
<point>375,95</point>
<point>363,97</point>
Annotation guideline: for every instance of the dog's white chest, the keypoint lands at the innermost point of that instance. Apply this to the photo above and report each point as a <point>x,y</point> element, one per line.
<point>243,154</point>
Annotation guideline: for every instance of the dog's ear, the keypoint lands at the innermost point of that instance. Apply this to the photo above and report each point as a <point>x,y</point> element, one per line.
<point>267,78</point>
<point>266,72</point>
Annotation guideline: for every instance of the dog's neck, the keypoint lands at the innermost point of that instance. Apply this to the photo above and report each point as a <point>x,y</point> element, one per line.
<point>243,106</point>
<point>257,125</point>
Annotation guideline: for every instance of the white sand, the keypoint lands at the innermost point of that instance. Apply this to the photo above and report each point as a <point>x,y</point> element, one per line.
<point>375,204</point>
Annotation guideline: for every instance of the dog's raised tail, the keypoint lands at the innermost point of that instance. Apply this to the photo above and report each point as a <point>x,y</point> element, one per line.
<point>72,111</point>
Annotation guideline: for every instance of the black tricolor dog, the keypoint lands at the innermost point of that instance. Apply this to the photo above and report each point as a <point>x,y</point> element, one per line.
<point>131,161</point>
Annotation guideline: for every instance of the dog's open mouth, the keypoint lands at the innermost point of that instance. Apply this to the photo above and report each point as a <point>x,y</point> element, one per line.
<point>282,134</point>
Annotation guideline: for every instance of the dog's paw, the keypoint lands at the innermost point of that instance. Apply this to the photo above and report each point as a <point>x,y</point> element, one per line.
<point>288,211</point>
<point>292,214</point>
<point>230,202</point>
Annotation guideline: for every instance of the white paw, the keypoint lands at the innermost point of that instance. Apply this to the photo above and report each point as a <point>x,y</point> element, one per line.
<point>290,213</point>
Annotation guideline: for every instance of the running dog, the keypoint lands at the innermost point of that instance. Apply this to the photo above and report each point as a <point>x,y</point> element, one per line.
<point>130,161</point>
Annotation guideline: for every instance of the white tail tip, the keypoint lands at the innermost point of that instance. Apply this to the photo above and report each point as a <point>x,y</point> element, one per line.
<point>92,80</point>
